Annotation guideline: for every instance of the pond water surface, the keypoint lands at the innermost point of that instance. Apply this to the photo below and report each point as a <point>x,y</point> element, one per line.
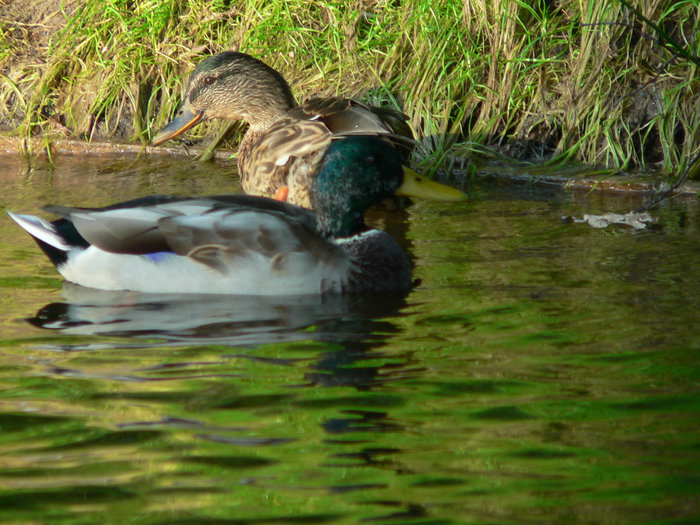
<point>540,372</point>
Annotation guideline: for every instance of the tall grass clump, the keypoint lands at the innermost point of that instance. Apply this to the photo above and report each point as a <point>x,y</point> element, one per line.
<point>607,82</point>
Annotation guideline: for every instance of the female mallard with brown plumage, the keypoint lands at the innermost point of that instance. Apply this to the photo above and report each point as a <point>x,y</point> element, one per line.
<point>284,143</point>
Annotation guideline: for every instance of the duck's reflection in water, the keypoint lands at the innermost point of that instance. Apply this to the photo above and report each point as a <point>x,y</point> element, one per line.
<point>217,319</point>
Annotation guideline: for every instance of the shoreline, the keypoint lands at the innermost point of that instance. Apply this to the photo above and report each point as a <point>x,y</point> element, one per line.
<point>624,182</point>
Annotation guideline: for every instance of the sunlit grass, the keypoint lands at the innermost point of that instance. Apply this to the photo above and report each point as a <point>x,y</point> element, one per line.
<point>610,82</point>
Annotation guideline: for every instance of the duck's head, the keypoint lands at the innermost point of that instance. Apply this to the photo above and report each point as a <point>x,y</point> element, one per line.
<point>359,171</point>
<point>233,86</point>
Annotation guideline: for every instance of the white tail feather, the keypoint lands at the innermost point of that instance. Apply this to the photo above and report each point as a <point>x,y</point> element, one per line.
<point>41,229</point>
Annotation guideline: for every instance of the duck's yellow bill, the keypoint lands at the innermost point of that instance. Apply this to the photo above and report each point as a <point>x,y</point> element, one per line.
<point>185,119</point>
<point>415,185</point>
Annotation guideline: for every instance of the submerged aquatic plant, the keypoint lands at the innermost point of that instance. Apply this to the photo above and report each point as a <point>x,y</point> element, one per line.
<point>611,82</point>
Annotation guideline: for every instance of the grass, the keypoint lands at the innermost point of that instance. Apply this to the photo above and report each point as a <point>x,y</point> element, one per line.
<point>610,83</point>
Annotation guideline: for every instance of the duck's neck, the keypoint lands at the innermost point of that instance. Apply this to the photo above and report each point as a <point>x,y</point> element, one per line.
<point>268,102</point>
<point>244,148</point>
<point>259,118</point>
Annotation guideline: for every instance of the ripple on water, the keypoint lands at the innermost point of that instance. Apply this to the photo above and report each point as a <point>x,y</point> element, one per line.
<point>540,372</point>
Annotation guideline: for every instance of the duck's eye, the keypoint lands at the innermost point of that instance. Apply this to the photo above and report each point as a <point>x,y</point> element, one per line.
<point>209,80</point>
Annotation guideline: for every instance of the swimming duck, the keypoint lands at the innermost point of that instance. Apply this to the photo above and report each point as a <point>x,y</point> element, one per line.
<point>243,244</point>
<point>280,151</point>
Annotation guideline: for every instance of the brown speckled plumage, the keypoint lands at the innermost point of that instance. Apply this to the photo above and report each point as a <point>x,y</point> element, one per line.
<point>284,141</point>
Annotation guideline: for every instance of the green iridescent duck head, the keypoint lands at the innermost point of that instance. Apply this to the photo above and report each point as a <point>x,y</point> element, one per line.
<point>358,172</point>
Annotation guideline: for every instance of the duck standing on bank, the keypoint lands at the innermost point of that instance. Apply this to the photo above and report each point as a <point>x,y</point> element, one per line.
<point>284,143</point>
<point>242,244</point>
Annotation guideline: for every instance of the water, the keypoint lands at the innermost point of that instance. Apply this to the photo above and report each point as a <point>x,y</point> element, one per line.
<point>541,372</point>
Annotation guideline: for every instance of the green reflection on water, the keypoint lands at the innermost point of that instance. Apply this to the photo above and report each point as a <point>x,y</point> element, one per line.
<point>540,373</point>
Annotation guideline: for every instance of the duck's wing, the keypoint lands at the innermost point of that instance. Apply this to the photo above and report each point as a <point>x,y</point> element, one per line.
<point>344,116</point>
<point>288,137</point>
<point>231,238</point>
<point>228,244</point>
<point>397,121</point>
<point>142,226</point>
<point>266,166</point>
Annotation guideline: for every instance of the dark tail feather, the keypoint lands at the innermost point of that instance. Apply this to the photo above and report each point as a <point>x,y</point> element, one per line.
<point>54,238</point>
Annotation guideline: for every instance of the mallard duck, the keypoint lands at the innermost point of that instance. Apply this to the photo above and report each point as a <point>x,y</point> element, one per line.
<point>284,143</point>
<point>242,244</point>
